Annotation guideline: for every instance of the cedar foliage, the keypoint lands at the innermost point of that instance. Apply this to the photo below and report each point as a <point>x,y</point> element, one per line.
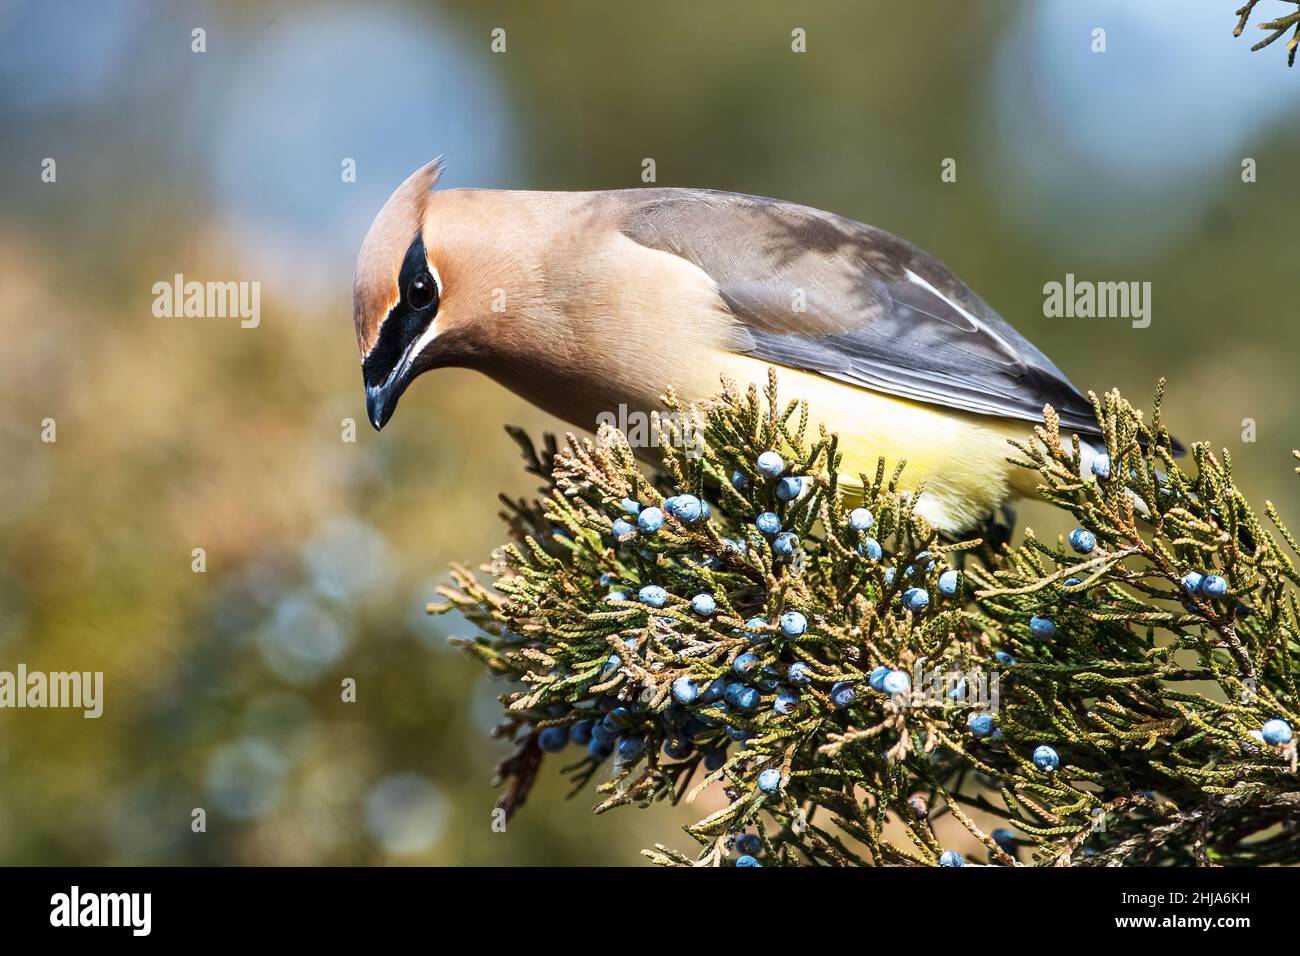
<point>1152,695</point>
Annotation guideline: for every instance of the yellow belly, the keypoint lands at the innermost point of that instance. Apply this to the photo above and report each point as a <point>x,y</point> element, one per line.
<point>960,457</point>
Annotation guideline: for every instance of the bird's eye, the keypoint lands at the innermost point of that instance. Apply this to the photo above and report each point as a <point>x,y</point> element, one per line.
<point>421,291</point>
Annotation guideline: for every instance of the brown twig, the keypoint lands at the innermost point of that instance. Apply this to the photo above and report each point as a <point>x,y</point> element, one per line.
<point>1279,26</point>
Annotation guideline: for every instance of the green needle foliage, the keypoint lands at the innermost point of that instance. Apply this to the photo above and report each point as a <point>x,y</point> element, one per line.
<point>1153,698</point>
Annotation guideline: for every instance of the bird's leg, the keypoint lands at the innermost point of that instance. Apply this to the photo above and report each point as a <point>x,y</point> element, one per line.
<point>997,534</point>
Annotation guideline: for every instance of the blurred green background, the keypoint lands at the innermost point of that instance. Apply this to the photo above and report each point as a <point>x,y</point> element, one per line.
<point>223,688</point>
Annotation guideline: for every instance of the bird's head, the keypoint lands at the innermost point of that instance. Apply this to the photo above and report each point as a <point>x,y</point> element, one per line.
<point>533,289</point>
<point>429,279</point>
<point>397,295</point>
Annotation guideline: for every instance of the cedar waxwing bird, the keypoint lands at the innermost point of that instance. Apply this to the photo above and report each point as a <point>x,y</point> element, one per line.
<point>585,302</point>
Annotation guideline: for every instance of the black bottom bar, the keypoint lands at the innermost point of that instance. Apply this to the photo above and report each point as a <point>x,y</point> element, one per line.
<point>334,905</point>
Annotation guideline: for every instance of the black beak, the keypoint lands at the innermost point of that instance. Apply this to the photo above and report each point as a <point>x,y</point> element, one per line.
<point>381,400</point>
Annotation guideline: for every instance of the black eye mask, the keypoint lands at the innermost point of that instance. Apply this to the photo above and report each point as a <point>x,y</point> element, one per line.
<point>404,323</point>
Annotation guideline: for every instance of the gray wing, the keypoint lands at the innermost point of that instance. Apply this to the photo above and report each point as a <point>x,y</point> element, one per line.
<point>824,294</point>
